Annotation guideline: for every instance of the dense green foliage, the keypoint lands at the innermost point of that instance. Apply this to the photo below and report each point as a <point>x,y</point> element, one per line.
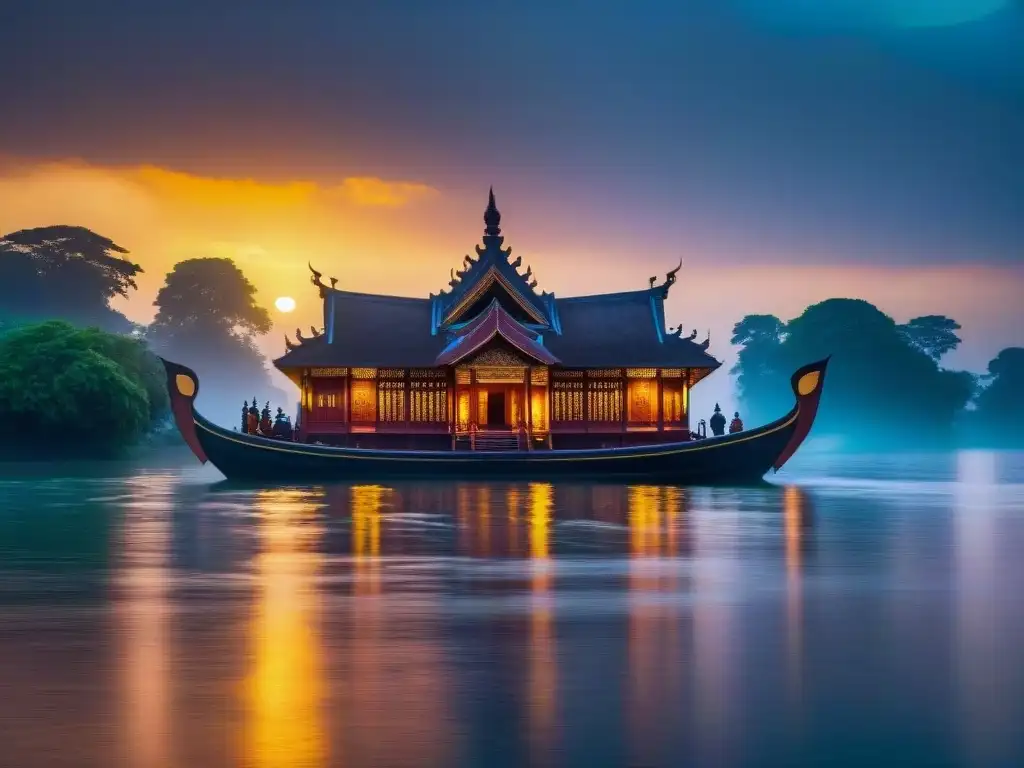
<point>885,386</point>
<point>63,272</point>
<point>999,418</point>
<point>66,391</point>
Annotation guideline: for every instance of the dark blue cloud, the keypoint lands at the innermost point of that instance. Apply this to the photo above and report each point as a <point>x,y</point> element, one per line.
<point>696,119</point>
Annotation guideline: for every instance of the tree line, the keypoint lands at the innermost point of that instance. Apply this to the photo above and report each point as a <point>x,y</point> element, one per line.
<point>78,378</point>
<point>887,388</point>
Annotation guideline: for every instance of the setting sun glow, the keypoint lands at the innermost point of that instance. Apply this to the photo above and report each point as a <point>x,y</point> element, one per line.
<point>284,303</point>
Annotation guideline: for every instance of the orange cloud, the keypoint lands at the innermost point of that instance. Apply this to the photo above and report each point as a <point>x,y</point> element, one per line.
<point>369,190</point>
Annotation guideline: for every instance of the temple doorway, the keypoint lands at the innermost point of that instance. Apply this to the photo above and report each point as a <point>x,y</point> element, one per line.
<point>496,410</point>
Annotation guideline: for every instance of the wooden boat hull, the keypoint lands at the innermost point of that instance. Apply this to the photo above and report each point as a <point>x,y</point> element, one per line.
<point>740,458</point>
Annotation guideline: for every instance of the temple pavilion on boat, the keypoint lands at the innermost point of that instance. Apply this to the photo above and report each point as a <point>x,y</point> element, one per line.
<point>493,362</point>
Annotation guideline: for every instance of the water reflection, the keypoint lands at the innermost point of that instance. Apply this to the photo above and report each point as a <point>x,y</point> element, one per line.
<point>795,518</point>
<point>979,672</point>
<point>143,622</point>
<point>543,671</point>
<point>655,685</point>
<point>284,687</point>
<point>446,624</point>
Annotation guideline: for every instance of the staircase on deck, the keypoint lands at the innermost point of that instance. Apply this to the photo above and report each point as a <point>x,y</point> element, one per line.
<point>490,440</point>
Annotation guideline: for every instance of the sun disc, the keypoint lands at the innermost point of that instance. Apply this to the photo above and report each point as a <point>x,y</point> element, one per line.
<point>284,304</point>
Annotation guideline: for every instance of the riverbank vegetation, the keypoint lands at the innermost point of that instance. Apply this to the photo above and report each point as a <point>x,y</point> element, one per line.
<point>77,378</point>
<point>887,388</point>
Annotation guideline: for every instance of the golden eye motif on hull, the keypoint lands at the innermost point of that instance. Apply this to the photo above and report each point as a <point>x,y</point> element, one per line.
<point>185,384</point>
<point>808,383</point>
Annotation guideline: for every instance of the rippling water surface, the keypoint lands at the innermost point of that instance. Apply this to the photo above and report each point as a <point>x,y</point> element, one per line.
<point>867,613</point>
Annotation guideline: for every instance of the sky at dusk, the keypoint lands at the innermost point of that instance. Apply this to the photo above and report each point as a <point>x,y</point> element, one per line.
<point>788,151</point>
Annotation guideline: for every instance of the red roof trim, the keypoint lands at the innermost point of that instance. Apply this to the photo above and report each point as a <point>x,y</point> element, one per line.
<point>494,322</point>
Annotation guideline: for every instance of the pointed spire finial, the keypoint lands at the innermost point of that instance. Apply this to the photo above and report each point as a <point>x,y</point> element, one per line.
<point>492,218</point>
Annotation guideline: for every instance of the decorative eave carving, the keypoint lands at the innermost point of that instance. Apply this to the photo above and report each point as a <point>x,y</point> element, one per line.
<point>670,279</point>
<point>288,343</point>
<point>707,342</point>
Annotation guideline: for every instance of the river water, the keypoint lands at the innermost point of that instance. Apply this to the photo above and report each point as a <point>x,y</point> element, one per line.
<point>857,612</point>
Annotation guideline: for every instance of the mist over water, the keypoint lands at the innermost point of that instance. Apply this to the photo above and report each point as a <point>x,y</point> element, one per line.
<point>862,611</point>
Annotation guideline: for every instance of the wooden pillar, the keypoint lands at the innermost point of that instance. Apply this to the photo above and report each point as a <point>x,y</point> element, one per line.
<point>586,401</point>
<point>407,400</point>
<point>660,403</point>
<point>685,395</point>
<point>625,402</point>
<point>527,413</point>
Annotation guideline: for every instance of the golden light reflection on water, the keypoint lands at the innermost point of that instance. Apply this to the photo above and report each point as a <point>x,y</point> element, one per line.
<point>655,674</point>
<point>283,689</point>
<point>366,503</point>
<point>144,622</point>
<point>794,503</point>
<point>390,684</point>
<point>543,671</point>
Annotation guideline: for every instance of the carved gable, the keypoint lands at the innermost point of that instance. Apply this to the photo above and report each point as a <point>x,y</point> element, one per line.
<point>495,356</point>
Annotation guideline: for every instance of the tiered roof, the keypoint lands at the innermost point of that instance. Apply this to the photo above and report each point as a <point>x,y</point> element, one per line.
<point>491,298</point>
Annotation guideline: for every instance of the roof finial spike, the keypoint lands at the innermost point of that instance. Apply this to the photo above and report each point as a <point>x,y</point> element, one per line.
<point>492,218</point>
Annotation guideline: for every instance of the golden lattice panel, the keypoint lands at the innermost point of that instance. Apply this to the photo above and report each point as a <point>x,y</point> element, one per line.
<point>496,375</point>
<point>364,373</point>
<point>606,373</point>
<point>328,372</point>
<point>641,373</point>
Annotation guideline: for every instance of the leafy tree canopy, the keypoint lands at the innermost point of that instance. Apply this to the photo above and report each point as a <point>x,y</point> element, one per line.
<point>61,394</point>
<point>882,389</point>
<point>999,419</point>
<point>204,296</point>
<point>208,319</point>
<point>935,335</point>
<point>64,271</point>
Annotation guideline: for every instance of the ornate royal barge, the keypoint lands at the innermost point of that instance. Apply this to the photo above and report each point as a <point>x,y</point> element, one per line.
<point>491,377</point>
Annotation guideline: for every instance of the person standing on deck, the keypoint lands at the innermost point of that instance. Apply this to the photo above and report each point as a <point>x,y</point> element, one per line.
<point>718,422</point>
<point>736,425</point>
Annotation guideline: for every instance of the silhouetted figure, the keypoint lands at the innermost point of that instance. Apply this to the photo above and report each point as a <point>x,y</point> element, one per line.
<point>282,426</point>
<point>266,425</point>
<point>718,422</point>
<point>253,422</point>
<point>736,425</point>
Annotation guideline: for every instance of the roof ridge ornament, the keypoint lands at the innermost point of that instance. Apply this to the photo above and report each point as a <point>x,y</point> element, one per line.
<point>316,279</point>
<point>707,342</point>
<point>670,280</point>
